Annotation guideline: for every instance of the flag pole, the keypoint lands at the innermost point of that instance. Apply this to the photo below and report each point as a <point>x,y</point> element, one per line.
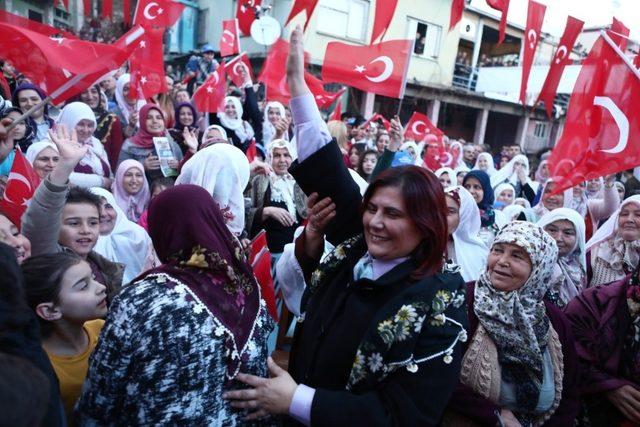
<point>621,54</point>
<point>404,77</point>
<point>30,112</point>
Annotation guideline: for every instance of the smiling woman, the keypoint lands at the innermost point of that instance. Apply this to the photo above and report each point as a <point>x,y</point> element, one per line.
<point>522,343</point>
<point>382,316</point>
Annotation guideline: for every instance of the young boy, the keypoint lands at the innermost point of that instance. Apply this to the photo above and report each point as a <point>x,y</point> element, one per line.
<point>59,218</point>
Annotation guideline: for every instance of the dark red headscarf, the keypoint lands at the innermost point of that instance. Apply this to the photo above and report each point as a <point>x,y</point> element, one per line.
<point>143,138</point>
<point>201,252</point>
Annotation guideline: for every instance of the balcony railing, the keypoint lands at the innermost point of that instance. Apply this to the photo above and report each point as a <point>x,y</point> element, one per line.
<point>465,77</point>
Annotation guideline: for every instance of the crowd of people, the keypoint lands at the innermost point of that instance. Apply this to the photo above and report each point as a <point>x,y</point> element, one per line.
<point>467,295</point>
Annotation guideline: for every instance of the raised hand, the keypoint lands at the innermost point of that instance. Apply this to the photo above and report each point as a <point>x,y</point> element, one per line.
<point>71,152</point>
<point>295,65</point>
<point>190,139</point>
<point>396,134</point>
<point>282,125</point>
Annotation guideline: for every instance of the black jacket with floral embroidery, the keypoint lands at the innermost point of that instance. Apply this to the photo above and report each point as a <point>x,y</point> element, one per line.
<point>378,352</point>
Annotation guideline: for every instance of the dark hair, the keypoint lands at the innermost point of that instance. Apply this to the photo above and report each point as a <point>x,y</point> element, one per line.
<point>161,182</point>
<point>361,162</point>
<point>42,278</point>
<point>425,202</point>
<point>24,392</point>
<point>83,195</point>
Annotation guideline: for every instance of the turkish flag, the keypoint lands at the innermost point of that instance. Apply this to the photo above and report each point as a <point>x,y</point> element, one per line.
<point>230,41</point>
<point>262,272</point>
<point>438,156</point>
<point>28,24</point>
<point>323,98</point>
<point>501,6</point>
<point>300,6</point>
<point>157,13</point>
<point>209,98</point>
<point>233,69</point>
<point>126,12</point>
<point>337,112</point>
<point>420,126</point>
<point>602,127</point>
<point>535,16</point>
<point>246,14</point>
<point>379,68</point>
<point>457,7</point>
<point>21,185</point>
<point>619,33</point>
<point>560,60</point>
<point>378,118</point>
<point>384,15</point>
<point>107,8</point>
<point>147,65</point>
<point>55,63</point>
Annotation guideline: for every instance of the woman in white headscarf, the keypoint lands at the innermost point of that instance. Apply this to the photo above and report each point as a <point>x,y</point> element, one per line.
<point>43,156</point>
<point>516,172</point>
<point>484,162</point>
<point>569,277</point>
<point>127,105</point>
<point>278,205</point>
<point>93,170</point>
<point>222,170</point>
<point>122,240</point>
<point>240,131</point>
<point>549,201</point>
<point>505,195</point>
<point>273,112</point>
<point>464,247</point>
<point>614,250</point>
<point>447,177</point>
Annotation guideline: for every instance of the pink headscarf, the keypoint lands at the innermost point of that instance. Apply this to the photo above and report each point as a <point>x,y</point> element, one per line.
<point>132,205</point>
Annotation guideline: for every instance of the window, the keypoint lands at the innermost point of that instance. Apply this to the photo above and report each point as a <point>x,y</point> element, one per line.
<point>540,130</point>
<point>428,37</point>
<point>346,19</point>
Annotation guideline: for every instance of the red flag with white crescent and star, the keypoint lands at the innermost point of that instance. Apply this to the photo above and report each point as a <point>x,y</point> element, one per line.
<point>209,98</point>
<point>147,65</point>
<point>501,6</point>
<point>602,125</point>
<point>299,6</point>
<point>457,8</point>
<point>380,68</point>
<point>420,127</point>
<point>157,13</point>
<point>337,112</point>
<point>560,61</point>
<point>535,16</point>
<point>384,14</point>
<point>233,69</point>
<point>245,13</point>
<point>230,40</point>
<point>619,33</point>
<point>378,118</point>
<point>58,65</point>
<point>21,185</point>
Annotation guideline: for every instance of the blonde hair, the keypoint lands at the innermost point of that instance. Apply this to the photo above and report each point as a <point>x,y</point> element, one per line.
<point>338,130</point>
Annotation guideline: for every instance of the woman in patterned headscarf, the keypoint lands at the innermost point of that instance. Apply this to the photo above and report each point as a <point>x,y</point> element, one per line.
<point>520,363</point>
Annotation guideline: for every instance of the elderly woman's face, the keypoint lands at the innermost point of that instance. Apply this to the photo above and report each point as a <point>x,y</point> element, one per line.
<point>474,187</point>
<point>45,161</point>
<point>506,197</point>
<point>508,266</point>
<point>564,233</point>
<point>389,231</point>
<point>550,201</point>
<point>482,163</point>
<point>629,222</point>
<point>453,215</point>
<point>214,136</point>
<point>281,160</point>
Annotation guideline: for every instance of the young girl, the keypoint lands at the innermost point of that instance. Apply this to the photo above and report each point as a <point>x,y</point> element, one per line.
<point>70,306</point>
<point>367,163</point>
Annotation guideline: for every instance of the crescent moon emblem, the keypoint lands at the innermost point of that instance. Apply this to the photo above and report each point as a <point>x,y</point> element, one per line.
<point>532,36</point>
<point>235,69</point>
<point>147,11</point>
<point>226,33</point>
<point>388,69</point>
<point>561,54</point>
<point>449,158</point>
<point>15,177</point>
<point>217,77</point>
<point>621,121</point>
<point>415,126</point>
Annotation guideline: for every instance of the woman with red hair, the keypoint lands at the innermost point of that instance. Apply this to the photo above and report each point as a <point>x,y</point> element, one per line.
<point>382,316</point>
